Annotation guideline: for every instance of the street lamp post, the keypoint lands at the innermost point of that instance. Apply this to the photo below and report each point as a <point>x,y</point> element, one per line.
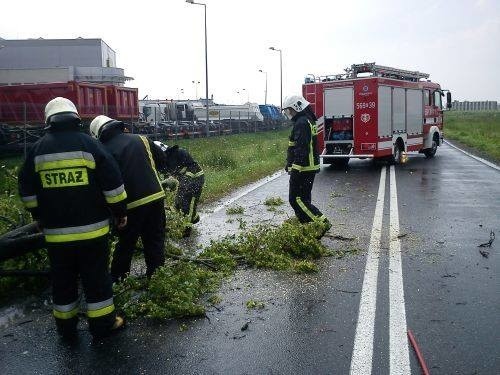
<point>207,128</point>
<point>265,95</point>
<point>196,83</point>
<point>281,76</point>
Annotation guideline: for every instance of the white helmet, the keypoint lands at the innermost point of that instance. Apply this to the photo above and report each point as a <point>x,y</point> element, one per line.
<point>60,110</point>
<point>161,145</point>
<point>296,102</point>
<point>99,123</point>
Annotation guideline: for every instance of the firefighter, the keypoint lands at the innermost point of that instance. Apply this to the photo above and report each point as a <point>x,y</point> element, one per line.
<point>303,160</point>
<point>181,165</point>
<point>137,157</point>
<point>70,183</point>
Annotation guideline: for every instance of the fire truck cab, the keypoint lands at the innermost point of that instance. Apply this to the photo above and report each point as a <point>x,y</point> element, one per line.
<point>378,112</point>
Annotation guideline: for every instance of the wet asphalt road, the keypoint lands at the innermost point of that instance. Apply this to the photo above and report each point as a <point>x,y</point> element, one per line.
<point>451,293</point>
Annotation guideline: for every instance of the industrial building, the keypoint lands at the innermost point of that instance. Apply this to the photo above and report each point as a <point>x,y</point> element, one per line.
<point>34,61</point>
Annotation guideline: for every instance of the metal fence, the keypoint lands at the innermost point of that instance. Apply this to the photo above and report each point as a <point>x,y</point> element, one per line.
<point>17,134</point>
<point>487,105</point>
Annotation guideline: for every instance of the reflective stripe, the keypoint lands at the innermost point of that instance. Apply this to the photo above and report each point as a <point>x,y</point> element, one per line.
<point>191,209</point>
<point>194,175</point>
<point>99,305</point>
<point>66,311</point>
<point>84,232</point>
<point>98,309</point>
<point>30,201</point>
<point>300,168</point>
<point>322,218</point>
<point>64,160</point>
<point>115,195</point>
<point>122,196</point>
<point>183,170</point>
<point>311,151</point>
<point>145,200</point>
<point>307,211</point>
<point>146,144</point>
<point>291,144</point>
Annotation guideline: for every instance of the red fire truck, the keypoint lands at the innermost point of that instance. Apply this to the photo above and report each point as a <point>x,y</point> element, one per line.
<point>374,111</point>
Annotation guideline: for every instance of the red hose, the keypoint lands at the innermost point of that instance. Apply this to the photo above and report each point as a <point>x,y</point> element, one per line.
<point>420,357</point>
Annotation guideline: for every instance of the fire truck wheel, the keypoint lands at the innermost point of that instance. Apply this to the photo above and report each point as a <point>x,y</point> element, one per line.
<point>430,152</point>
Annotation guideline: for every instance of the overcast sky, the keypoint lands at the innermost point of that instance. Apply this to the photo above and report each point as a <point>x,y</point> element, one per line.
<point>161,43</point>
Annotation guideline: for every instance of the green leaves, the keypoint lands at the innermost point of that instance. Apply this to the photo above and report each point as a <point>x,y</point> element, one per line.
<point>175,290</point>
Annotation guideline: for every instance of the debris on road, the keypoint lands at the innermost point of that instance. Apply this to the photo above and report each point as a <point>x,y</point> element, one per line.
<point>245,326</point>
<point>339,237</point>
<point>484,253</point>
<point>236,210</point>
<point>347,291</point>
<point>273,201</point>
<point>490,242</point>
<point>255,305</point>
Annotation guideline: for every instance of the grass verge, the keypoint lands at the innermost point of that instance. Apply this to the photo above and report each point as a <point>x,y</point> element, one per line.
<point>233,161</point>
<point>478,130</point>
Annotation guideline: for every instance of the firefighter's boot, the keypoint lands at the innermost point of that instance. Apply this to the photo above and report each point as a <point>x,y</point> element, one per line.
<point>326,225</point>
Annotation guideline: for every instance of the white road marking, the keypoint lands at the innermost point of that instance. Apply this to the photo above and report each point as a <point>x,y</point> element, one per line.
<point>252,187</point>
<point>361,361</point>
<point>481,160</point>
<point>399,357</point>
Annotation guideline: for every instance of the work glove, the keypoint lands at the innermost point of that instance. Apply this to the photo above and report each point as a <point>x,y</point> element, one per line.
<point>121,222</point>
<point>169,184</point>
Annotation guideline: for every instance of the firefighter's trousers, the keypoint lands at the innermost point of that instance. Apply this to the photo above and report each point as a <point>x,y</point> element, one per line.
<point>188,195</point>
<point>148,222</point>
<point>88,259</point>
<point>299,196</point>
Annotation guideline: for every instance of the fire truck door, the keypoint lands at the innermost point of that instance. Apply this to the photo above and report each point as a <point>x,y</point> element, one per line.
<point>384,112</point>
<point>398,110</point>
<point>339,102</point>
<point>414,115</point>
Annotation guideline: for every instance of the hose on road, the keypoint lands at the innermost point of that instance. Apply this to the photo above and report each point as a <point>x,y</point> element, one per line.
<point>420,357</point>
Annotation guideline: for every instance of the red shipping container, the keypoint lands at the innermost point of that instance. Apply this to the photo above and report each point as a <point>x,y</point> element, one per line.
<point>123,103</point>
<point>22,103</point>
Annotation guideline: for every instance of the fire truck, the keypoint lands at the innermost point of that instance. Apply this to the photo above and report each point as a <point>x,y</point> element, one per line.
<point>378,112</point>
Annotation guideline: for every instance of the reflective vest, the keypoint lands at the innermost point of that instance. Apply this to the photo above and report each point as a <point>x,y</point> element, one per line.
<point>302,154</point>
<point>137,157</point>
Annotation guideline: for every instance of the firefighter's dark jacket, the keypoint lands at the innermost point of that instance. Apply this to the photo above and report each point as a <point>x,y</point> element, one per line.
<point>137,157</point>
<point>302,154</point>
<point>68,181</point>
<point>179,163</point>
